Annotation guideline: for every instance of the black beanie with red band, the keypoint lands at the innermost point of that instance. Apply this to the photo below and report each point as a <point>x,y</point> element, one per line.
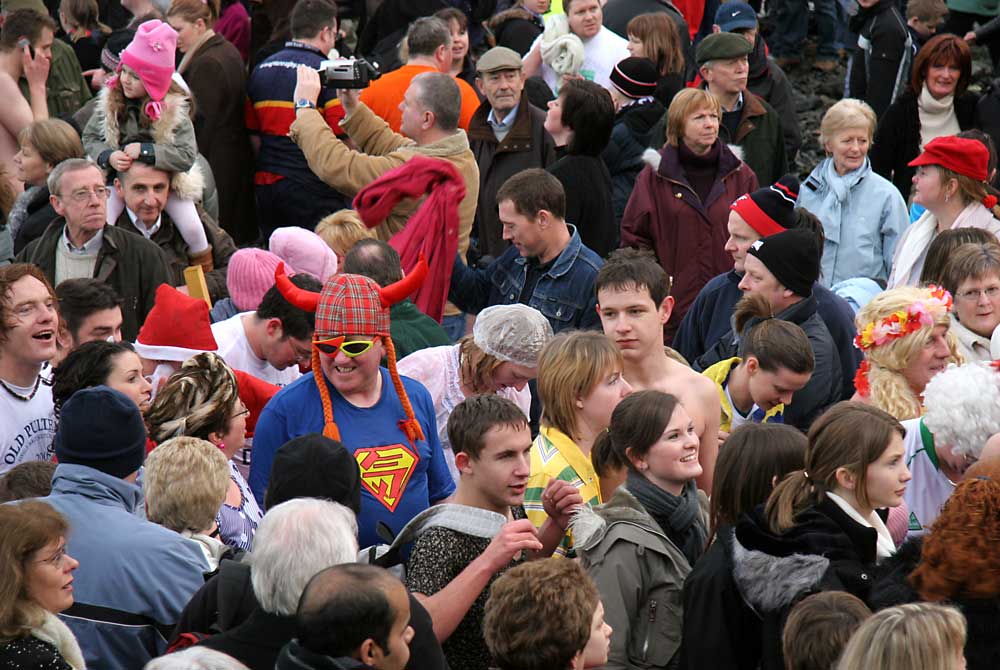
<point>770,210</point>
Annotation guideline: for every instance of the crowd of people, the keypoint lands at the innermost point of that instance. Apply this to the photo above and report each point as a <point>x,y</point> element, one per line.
<point>493,335</point>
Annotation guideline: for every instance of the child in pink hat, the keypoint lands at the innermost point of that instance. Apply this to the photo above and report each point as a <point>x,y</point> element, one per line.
<point>143,116</point>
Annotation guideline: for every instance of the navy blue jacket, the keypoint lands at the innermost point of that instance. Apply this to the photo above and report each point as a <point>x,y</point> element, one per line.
<point>711,314</point>
<point>564,294</point>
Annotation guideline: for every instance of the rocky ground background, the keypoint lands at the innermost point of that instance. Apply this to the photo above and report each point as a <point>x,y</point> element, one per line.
<point>815,91</point>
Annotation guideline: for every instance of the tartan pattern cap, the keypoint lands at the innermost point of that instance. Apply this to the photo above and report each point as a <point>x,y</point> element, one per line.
<point>351,305</point>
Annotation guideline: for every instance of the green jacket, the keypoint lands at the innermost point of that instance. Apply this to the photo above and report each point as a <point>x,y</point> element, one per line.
<point>176,250</point>
<point>412,330</point>
<point>130,264</point>
<point>640,574</point>
<point>760,137</point>
<point>65,90</point>
<point>980,7</point>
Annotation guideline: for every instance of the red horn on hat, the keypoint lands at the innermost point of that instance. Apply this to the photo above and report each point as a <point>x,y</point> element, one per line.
<point>394,293</point>
<point>298,297</point>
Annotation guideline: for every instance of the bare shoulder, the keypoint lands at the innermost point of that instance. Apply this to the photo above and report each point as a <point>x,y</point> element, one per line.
<point>10,90</point>
<point>680,372</point>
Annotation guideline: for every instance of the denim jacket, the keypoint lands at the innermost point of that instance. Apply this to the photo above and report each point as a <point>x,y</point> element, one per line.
<point>564,294</point>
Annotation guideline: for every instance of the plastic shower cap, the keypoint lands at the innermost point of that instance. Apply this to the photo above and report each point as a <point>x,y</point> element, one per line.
<point>512,333</point>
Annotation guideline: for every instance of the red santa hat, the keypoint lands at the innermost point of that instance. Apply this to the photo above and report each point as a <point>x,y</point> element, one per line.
<point>177,328</point>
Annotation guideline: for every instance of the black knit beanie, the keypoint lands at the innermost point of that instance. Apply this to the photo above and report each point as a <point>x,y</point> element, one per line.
<point>635,77</point>
<point>792,257</point>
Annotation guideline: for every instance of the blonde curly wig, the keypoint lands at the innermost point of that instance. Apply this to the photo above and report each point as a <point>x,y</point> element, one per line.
<point>889,390</point>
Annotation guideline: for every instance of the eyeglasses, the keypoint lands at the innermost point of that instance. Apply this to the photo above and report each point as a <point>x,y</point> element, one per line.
<point>972,295</point>
<point>242,412</point>
<point>351,349</point>
<point>56,559</point>
<point>301,356</point>
<point>85,194</point>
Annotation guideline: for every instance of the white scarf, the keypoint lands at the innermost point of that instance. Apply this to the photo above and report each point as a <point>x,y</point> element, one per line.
<point>58,634</point>
<point>937,117</point>
<point>912,248</point>
<point>885,547</point>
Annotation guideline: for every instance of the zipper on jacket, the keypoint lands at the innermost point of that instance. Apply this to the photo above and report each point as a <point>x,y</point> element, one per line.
<point>649,629</point>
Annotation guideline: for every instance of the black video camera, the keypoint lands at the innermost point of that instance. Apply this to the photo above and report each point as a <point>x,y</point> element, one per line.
<point>348,73</point>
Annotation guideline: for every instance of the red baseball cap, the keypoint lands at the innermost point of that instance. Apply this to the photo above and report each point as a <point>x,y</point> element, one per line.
<point>965,157</point>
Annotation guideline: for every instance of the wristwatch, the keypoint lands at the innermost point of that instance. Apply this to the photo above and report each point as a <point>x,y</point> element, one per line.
<point>304,104</point>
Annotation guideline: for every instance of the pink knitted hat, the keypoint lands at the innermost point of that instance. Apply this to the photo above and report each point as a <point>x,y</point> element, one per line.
<point>304,251</point>
<point>151,54</point>
<point>249,275</point>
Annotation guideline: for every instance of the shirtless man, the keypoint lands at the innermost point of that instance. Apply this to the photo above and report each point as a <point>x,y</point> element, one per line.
<point>25,51</point>
<point>633,302</point>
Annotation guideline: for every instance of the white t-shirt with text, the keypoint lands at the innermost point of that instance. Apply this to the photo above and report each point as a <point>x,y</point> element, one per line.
<point>27,427</point>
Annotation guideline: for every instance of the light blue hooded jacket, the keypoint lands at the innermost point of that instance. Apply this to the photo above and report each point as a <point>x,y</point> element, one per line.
<point>134,578</point>
<point>863,216</point>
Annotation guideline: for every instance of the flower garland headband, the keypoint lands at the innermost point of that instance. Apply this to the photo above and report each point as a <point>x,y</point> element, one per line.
<point>900,324</point>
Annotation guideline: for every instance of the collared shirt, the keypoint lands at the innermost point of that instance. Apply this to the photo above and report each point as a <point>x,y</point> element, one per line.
<point>141,227</point>
<point>90,248</point>
<point>555,456</point>
<point>501,128</point>
<point>738,106</point>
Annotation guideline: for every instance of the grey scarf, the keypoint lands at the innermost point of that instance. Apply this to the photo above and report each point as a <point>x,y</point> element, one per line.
<point>677,515</point>
<point>19,210</point>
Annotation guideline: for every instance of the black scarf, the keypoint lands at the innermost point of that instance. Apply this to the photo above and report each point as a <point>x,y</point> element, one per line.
<point>677,515</point>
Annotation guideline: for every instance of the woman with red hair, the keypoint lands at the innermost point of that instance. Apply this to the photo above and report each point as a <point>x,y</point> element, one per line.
<point>936,103</point>
<point>957,562</point>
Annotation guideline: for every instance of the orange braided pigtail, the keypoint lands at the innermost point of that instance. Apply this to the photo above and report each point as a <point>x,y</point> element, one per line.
<point>330,428</point>
<point>410,426</point>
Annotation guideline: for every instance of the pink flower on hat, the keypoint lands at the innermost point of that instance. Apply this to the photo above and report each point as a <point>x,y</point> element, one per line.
<point>151,55</point>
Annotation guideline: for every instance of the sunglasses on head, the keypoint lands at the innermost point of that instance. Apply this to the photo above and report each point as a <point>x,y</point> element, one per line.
<point>351,349</point>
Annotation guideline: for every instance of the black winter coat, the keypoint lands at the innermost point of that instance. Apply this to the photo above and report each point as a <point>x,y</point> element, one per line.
<point>825,550</point>
<point>826,384</point>
<point>516,29</point>
<point>768,81</point>
<point>38,215</point>
<point>982,645</point>
<point>631,136</point>
<point>897,138</point>
<point>988,110</point>
<point>588,200</point>
<point>227,601</point>
<point>31,653</point>
<point>720,629</point>
<point>876,75</point>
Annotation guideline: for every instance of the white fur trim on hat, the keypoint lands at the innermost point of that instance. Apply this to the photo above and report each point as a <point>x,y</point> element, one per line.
<point>166,353</point>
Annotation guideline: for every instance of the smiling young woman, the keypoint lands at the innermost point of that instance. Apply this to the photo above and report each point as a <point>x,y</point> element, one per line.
<point>666,517</point>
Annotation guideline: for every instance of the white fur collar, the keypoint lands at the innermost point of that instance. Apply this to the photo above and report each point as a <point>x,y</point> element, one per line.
<point>58,634</point>
<point>163,128</point>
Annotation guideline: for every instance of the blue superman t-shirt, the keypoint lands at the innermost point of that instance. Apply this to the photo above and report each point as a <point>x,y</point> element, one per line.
<point>398,481</point>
